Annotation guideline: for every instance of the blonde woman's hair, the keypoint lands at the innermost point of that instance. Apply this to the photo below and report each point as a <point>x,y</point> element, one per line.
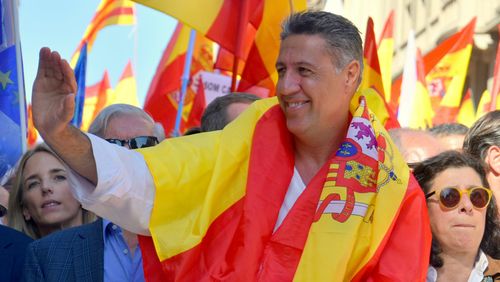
<point>15,215</point>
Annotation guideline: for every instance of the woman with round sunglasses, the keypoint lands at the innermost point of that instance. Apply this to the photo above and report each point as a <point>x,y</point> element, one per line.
<point>463,218</point>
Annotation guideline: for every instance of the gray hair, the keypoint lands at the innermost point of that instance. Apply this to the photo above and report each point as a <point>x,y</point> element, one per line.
<point>447,129</point>
<point>215,115</point>
<point>100,123</point>
<point>483,134</point>
<point>342,36</point>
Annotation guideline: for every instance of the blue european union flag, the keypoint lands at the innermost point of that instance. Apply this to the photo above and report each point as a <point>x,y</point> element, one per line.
<point>10,114</point>
<point>12,101</point>
<point>80,71</point>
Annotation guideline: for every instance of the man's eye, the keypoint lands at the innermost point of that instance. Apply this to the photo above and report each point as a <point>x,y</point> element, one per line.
<point>304,71</point>
<point>280,71</point>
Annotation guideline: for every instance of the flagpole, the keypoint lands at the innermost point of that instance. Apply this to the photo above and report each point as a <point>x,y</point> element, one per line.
<point>185,81</point>
<point>20,77</point>
<point>240,36</point>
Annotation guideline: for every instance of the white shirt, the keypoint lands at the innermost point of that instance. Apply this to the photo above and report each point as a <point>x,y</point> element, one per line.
<point>125,190</point>
<point>476,275</point>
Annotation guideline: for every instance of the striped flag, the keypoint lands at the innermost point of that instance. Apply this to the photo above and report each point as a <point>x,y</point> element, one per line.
<point>385,50</point>
<point>199,105</point>
<point>495,101</point>
<point>466,114</point>
<point>259,77</point>
<point>221,21</point>
<point>445,71</point>
<point>371,85</point>
<point>126,89</point>
<point>109,12</point>
<point>164,91</point>
<point>97,97</point>
<point>415,110</point>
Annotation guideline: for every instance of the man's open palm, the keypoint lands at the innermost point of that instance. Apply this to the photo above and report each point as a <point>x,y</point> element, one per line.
<point>53,93</point>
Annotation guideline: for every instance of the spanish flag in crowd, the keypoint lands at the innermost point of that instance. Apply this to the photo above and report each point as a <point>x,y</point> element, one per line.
<point>445,70</point>
<point>109,12</point>
<point>221,21</point>
<point>164,92</point>
<point>467,115</point>
<point>214,215</point>
<point>371,85</point>
<point>97,97</point>
<point>494,103</point>
<point>415,109</point>
<point>259,77</point>
<point>126,89</point>
<point>385,50</point>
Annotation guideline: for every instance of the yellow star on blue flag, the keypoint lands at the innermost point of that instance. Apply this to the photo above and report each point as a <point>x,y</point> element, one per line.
<point>5,79</point>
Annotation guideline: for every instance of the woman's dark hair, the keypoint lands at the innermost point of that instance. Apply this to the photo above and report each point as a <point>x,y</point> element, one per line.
<point>425,173</point>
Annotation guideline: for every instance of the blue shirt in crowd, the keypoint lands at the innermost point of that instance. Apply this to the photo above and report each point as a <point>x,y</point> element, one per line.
<point>119,265</point>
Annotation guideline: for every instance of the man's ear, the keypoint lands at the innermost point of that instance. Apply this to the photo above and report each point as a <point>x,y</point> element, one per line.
<point>352,73</point>
<point>493,159</point>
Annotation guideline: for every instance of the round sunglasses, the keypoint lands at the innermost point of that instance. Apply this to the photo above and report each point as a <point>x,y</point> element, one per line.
<point>450,197</point>
<point>136,143</point>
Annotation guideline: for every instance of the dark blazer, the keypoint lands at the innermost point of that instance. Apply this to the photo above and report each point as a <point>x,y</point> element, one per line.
<point>12,250</point>
<point>74,254</point>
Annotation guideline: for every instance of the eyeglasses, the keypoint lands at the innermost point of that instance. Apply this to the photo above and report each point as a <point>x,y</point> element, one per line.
<point>450,197</point>
<point>136,142</point>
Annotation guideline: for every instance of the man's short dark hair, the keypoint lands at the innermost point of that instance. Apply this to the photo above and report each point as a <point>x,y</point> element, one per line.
<point>447,129</point>
<point>215,115</point>
<point>483,134</point>
<point>341,35</point>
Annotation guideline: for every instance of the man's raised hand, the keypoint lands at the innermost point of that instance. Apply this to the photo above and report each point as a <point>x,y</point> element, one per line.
<point>53,97</point>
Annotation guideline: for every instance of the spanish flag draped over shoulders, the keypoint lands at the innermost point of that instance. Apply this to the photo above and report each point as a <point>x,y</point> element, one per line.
<point>218,195</point>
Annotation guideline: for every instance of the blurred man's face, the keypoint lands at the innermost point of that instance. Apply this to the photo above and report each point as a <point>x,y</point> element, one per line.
<point>235,109</point>
<point>127,126</point>
<point>452,142</point>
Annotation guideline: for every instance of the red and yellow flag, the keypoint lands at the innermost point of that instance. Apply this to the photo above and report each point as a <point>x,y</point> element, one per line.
<point>97,97</point>
<point>371,85</point>
<point>446,69</point>
<point>484,105</point>
<point>259,77</point>
<point>415,109</point>
<point>109,12</point>
<point>199,105</point>
<point>218,20</point>
<point>385,50</point>
<point>164,91</point>
<point>495,101</point>
<point>32,132</point>
<point>126,89</point>
<point>358,219</point>
<point>466,114</point>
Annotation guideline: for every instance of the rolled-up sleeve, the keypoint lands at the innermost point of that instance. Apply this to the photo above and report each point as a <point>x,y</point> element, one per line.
<point>125,189</point>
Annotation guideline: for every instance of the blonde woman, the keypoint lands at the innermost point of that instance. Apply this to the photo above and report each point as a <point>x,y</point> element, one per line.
<point>41,201</point>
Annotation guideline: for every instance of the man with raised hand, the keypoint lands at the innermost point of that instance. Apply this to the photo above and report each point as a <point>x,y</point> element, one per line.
<point>300,187</point>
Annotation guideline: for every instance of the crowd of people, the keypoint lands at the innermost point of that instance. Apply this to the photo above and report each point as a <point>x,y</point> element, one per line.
<point>299,187</point>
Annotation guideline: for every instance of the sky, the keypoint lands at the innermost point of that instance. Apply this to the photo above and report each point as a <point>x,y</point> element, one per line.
<point>60,25</point>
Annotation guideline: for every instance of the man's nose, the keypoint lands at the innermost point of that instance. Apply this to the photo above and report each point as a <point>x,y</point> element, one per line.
<point>288,83</point>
